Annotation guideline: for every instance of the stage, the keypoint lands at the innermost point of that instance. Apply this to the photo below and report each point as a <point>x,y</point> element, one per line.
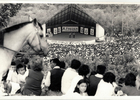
<point>66,38</point>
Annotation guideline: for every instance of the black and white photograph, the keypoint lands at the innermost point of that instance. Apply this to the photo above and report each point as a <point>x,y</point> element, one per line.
<point>60,50</point>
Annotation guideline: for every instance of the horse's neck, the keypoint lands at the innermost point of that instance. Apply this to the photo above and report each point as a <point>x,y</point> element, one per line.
<point>15,40</point>
<point>5,59</point>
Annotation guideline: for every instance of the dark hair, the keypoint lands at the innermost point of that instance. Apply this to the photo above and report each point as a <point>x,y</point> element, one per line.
<point>130,79</point>
<point>62,64</point>
<point>121,81</point>
<point>26,61</point>
<point>85,80</point>
<point>83,70</point>
<point>20,66</point>
<point>13,63</point>
<point>37,65</point>
<point>93,72</point>
<point>101,69</point>
<point>75,64</point>
<point>56,61</point>
<point>109,77</point>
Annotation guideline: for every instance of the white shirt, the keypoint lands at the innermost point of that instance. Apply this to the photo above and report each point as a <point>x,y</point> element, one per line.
<point>104,89</point>
<point>22,78</point>
<point>47,81</point>
<point>138,82</point>
<point>67,78</point>
<point>74,84</point>
<point>99,75</point>
<point>12,76</point>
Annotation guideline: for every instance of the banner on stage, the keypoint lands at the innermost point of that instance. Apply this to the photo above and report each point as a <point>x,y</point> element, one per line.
<point>69,29</point>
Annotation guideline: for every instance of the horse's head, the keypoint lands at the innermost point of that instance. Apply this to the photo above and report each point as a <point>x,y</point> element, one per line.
<point>36,39</point>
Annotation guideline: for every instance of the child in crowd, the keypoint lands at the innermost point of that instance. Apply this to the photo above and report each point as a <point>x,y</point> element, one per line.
<point>22,74</point>
<point>14,87</point>
<point>11,85</point>
<point>81,88</point>
<point>83,73</point>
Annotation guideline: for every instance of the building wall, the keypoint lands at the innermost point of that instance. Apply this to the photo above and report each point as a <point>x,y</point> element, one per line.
<point>100,32</point>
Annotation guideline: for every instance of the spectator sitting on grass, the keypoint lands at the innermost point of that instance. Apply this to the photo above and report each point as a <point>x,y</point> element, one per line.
<point>62,65</point>
<point>83,72</point>
<point>22,74</point>
<point>54,76</point>
<point>95,79</point>
<point>81,88</point>
<point>130,86</point>
<point>12,82</point>
<point>34,79</point>
<point>69,75</point>
<point>106,86</point>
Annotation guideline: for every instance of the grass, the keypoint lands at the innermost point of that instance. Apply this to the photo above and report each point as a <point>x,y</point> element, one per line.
<point>48,93</point>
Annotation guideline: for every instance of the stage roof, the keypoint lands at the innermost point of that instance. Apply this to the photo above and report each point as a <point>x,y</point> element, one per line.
<point>71,14</point>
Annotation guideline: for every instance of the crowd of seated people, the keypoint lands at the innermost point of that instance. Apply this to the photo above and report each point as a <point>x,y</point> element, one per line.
<point>74,80</point>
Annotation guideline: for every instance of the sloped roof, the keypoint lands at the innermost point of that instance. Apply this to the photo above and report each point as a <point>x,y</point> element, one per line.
<point>71,13</point>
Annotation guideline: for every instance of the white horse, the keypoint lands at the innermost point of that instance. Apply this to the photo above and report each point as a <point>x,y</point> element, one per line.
<point>15,37</point>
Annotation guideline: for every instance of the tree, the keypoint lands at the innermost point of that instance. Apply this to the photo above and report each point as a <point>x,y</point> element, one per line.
<point>8,10</point>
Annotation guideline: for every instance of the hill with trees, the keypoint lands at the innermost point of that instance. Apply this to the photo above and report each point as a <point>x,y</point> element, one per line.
<point>117,19</point>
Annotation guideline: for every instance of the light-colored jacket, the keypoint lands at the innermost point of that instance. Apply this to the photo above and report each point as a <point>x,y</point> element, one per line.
<point>67,78</point>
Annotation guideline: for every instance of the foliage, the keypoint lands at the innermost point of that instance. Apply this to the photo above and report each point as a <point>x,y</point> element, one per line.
<point>42,12</point>
<point>6,11</point>
<point>117,19</point>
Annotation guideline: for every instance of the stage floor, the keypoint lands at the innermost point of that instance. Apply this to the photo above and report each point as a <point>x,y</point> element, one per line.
<point>65,37</point>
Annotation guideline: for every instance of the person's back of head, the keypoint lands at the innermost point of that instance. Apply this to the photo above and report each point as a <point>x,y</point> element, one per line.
<point>37,65</point>
<point>62,64</point>
<point>121,80</point>
<point>26,61</point>
<point>109,77</point>
<point>75,64</point>
<point>56,61</point>
<point>13,63</point>
<point>84,70</point>
<point>101,69</point>
<point>13,66</point>
<point>130,79</point>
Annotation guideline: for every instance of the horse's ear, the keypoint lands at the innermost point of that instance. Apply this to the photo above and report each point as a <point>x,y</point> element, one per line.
<point>34,22</point>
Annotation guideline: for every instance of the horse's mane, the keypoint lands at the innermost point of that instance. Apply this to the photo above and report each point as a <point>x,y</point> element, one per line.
<point>17,26</point>
<point>14,27</point>
<point>40,26</point>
